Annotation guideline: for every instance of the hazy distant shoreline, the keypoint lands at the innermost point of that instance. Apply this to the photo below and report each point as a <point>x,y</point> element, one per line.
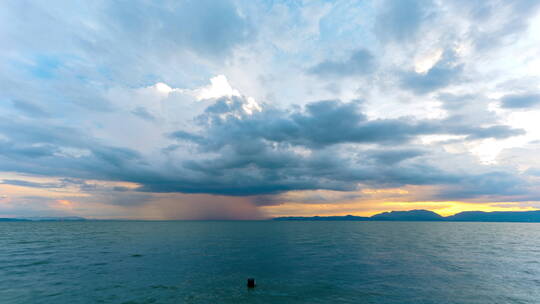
<point>417,215</point>
<point>430,216</point>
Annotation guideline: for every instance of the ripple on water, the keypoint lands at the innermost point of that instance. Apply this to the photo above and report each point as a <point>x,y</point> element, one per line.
<point>208,262</point>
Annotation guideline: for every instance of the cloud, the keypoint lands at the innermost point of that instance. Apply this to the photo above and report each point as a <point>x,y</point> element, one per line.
<point>143,113</point>
<point>23,183</point>
<point>497,132</point>
<point>361,62</point>
<point>51,150</point>
<point>205,28</point>
<point>520,101</point>
<point>29,108</point>
<point>506,21</point>
<point>275,151</point>
<point>113,42</point>
<point>494,185</point>
<point>322,124</point>
<point>401,20</point>
<point>392,157</point>
<point>444,73</point>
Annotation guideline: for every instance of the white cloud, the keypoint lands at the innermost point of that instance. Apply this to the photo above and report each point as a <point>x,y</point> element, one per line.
<point>219,86</point>
<point>163,88</point>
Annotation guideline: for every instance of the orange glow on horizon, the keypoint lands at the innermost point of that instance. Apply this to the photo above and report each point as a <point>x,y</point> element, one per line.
<point>59,196</point>
<point>372,208</point>
<point>453,207</point>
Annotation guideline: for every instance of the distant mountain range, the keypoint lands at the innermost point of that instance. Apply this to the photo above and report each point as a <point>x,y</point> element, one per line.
<point>430,216</point>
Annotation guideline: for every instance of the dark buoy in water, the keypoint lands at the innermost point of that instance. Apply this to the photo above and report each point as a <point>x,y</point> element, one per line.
<point>251,283</point>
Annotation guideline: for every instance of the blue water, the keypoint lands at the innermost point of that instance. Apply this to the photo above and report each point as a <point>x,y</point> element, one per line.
<point>293,262</point>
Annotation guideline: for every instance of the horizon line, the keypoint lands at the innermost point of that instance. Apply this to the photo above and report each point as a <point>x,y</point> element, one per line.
<point>73,218</point>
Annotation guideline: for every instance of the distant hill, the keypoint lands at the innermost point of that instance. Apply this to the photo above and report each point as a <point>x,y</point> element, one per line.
<point>496,216</point>
<point>411,215</point>
<point>426,215</point>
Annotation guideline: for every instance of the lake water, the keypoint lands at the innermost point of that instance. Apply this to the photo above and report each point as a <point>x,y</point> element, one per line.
<point>292,262</point>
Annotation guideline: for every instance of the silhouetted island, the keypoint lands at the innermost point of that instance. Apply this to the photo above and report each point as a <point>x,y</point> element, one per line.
<point>412,215</point>
<point>426,215</point>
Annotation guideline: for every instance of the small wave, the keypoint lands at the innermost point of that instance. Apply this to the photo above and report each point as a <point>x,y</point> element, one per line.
<point>164,287</point>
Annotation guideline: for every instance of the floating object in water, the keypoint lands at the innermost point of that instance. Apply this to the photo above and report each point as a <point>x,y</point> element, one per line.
<point>251,283</point>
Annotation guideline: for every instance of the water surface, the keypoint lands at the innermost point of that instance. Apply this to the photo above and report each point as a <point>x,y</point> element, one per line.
<point>293,262</point>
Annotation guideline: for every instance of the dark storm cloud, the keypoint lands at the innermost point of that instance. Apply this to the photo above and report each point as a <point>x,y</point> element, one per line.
<point>322,124</point>
<point>256,153</point>
<point>360,62</point>
<point>520,101</point>
<point>271,171</point>
<point>266,152</point>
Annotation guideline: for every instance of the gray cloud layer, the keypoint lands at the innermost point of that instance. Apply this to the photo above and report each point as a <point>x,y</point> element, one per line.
<point>257,154</point>
<point>361,62</point>
<point>516,101</point>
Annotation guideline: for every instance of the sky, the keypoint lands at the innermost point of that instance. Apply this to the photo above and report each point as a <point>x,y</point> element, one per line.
<point>220,109</point>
